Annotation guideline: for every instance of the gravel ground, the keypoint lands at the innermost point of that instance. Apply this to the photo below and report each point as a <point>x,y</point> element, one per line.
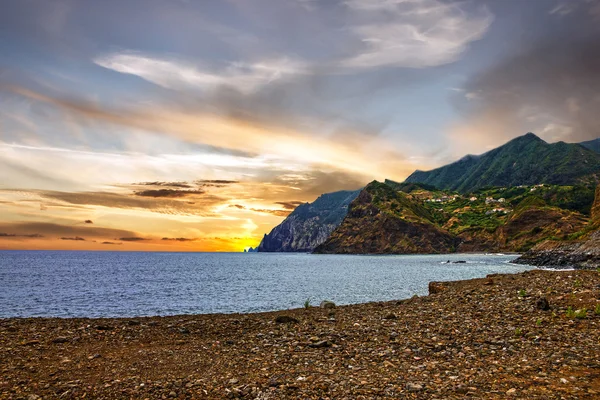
<point>505,336</point>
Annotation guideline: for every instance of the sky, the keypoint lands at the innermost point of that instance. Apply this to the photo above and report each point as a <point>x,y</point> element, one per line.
<point>199,125</point>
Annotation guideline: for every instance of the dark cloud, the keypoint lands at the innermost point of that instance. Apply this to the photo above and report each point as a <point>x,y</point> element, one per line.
<point>289,205</point>
<point>180,239</point>
<point>76,238</point>
<point>182,185</point>
<point>27,236</point>
<point>201,206</point>
<point>132,239</point>
<point>218,181</point>
<point>169,193</point>
<point>111,243</point>
<point>88,221</point>
<point>549,85</point>
<point>44,229</point>
<point>279,213</point>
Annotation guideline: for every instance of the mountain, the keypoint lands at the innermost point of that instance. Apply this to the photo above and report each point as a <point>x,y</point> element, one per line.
<point>309,225</point>
<point>382,220</point>
<point>526,160</point>
<point>593,145</point>
<point>392,218</point>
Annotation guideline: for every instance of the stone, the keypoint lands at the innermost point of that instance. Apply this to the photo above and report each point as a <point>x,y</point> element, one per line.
<point>437,287</point>
<point>414,387</point>
<point>320,344</point>
<point>542,304</point>
<point>60,339</point>
<point>327,304</point>
<point>104,327</point>
<point>285,319</point>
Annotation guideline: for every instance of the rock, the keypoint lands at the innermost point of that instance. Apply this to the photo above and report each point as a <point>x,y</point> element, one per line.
<point>60,339</point>
<point>133,322</point>
<point>104,327</point>
<point>511,392</point>
<point>414,387</point>
<point>390,316</point>
<point>542,304</point>
<point>184,331</point>
<point>233,381</point>
<point>285,319</point>
<point>33,397</point>
<point>327,304</point>
<point>321,344</point>
<point>437,287</point>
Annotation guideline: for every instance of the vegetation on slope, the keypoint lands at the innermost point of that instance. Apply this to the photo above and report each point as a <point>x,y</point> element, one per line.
<point>526,160</point>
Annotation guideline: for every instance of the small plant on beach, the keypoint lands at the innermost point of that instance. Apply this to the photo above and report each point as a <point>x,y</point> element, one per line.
<point>518,332</point>
<point>581,314</point>
<point>522,293</point>
<point>570,312</point>
<point>307,303</point>
<point>538,322</point>
<point>577,283</point>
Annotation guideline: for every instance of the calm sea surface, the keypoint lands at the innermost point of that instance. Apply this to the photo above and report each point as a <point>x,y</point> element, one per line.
<point>111,284</point>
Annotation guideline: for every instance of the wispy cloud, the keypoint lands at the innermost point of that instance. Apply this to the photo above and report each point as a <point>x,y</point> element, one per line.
<point>413,33</point>
<point>177,74</point>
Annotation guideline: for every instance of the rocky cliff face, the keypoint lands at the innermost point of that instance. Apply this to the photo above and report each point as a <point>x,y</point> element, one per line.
<point>309,224</point>
<point>384,221</point>
<point>583,253</point>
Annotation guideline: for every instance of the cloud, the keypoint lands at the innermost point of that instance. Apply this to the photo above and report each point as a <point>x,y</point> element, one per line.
<point>280,146</point>
<point>550,87</point>
<point>169,193</point>
<point>132,239</point>
<point>181,239</point>
<point>279,213</point>
<point>154,203</point>
<point>49,230</point>
<point>111,243</point>
<point>88,221</point>
<point>414,33</point>
<point>76,238</point>
<point>185,75</point>
<point>182,185</point>
<point>289,205</point>
<point>27,236</point>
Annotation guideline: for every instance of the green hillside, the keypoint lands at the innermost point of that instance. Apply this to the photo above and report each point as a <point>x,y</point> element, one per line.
<point>526,160</point>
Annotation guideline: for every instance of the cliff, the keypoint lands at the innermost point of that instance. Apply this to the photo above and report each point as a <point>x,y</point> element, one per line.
<point>309,225</point>
<point>383,221</point>
<point>583,253</point>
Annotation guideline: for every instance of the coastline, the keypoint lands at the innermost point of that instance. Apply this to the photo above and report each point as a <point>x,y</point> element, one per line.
<point>486,338</point>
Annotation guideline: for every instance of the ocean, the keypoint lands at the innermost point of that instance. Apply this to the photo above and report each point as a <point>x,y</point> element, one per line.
<point>128,284</point>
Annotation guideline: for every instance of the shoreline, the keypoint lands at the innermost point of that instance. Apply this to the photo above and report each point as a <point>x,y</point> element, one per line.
<point>487,338</point>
